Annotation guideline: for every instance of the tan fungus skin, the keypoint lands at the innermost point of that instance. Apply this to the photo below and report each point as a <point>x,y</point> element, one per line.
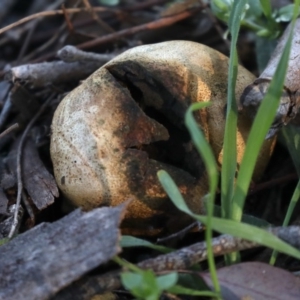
<point>113,133</point>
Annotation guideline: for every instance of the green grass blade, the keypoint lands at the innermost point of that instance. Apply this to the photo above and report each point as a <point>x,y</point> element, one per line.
<point>292,205</point>
<point>231,227</point>
<point>291,137</point>
<point>260,127</point>
<point>180,290</point>
<point>266,7</point>
<point>131,241</point>
<point>249,219</point>
<point>229,146</point>
<point>210,163</point>
<point>203,147</point>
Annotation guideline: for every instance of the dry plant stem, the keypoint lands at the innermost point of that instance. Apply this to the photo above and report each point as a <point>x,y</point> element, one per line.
<point>290,98</point>
<point>19,168</point>
<point>52,40</point>
<point>96,17</point>
<point>145,4</point>
<point>52,13</point>
<point>160,23</point>
<point>217,27</point>
<point>180,234</point>
<point>6,5</point>
<point>28,206</point>
<point>72,54</point>
<point>163,22</point>
<point>9,130</point>
<point>274,182</point>
<point>27,41</point>
<point>177,260</point>
<point>5,111</point>
<point>6,106</point>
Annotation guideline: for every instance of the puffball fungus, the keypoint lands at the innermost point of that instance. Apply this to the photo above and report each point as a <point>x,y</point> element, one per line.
<point>125,122</point>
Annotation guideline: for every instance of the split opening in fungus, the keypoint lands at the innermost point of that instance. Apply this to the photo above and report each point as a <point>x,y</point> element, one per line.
<point>178,150</point>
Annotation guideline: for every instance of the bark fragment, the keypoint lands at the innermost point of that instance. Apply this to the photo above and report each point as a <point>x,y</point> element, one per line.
<point>39,183</point>
<point>37,264</point>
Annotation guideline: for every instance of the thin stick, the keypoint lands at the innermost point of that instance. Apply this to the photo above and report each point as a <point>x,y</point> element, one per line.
<point>91,10</point>
<point>72,54</point>
<point>9,129</point>
<point>160,23</point>
<point>178,260</point>
<point>54,37</point>
<point>180,234</point>
<point>53,13</point>
<point>28,207</point>
<point>19,167</point>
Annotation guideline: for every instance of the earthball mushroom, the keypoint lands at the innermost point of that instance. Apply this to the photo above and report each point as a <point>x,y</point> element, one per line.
<point>113,133</point>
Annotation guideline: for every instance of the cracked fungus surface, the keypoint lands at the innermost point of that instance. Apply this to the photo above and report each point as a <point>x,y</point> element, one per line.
<point>113,133</point>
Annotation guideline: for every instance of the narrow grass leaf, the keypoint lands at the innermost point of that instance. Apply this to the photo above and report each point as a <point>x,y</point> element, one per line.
<point>210,163</point>
<point>131,241</point>
<point>291,137</point>
<point>249,219</point>
<point>229,146</point>
<point>292,205</point>
<point>180,290</point>
<point>231,227</point>
<point>202,146</point>
<point>266,7</point>
<point>260,127</point>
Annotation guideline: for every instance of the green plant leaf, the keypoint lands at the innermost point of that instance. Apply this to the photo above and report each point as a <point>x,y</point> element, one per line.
<point>249,219</point>
<point>292,205</point>
<point>131,241</point>
<point>210,163</point>
<point>254,9</point>
<point>266,7</point>
<point>229,145</point>
<point>285,13</point>
<point>165,282</point>
<point>131,280</point>
<point>142,285</point>
<point>180,290</point>
<point>291,138</point>
<point>231,227</point>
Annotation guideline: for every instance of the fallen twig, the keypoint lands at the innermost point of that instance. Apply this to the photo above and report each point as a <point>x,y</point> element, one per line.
<point>56,72</point>
<point>180,259</point>
<point>160,23</point>
<point>53,13</point>
<point>19,168</point>
<point>72,54</point>
<point>9,130</point>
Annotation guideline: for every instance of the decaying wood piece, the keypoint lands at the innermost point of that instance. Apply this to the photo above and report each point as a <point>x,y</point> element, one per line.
<point>290,99</point>
<point>125,122</point>
<point>37,264</point>
<point>180,259</point>
<point>38,182</point>
<point>57,72</point>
